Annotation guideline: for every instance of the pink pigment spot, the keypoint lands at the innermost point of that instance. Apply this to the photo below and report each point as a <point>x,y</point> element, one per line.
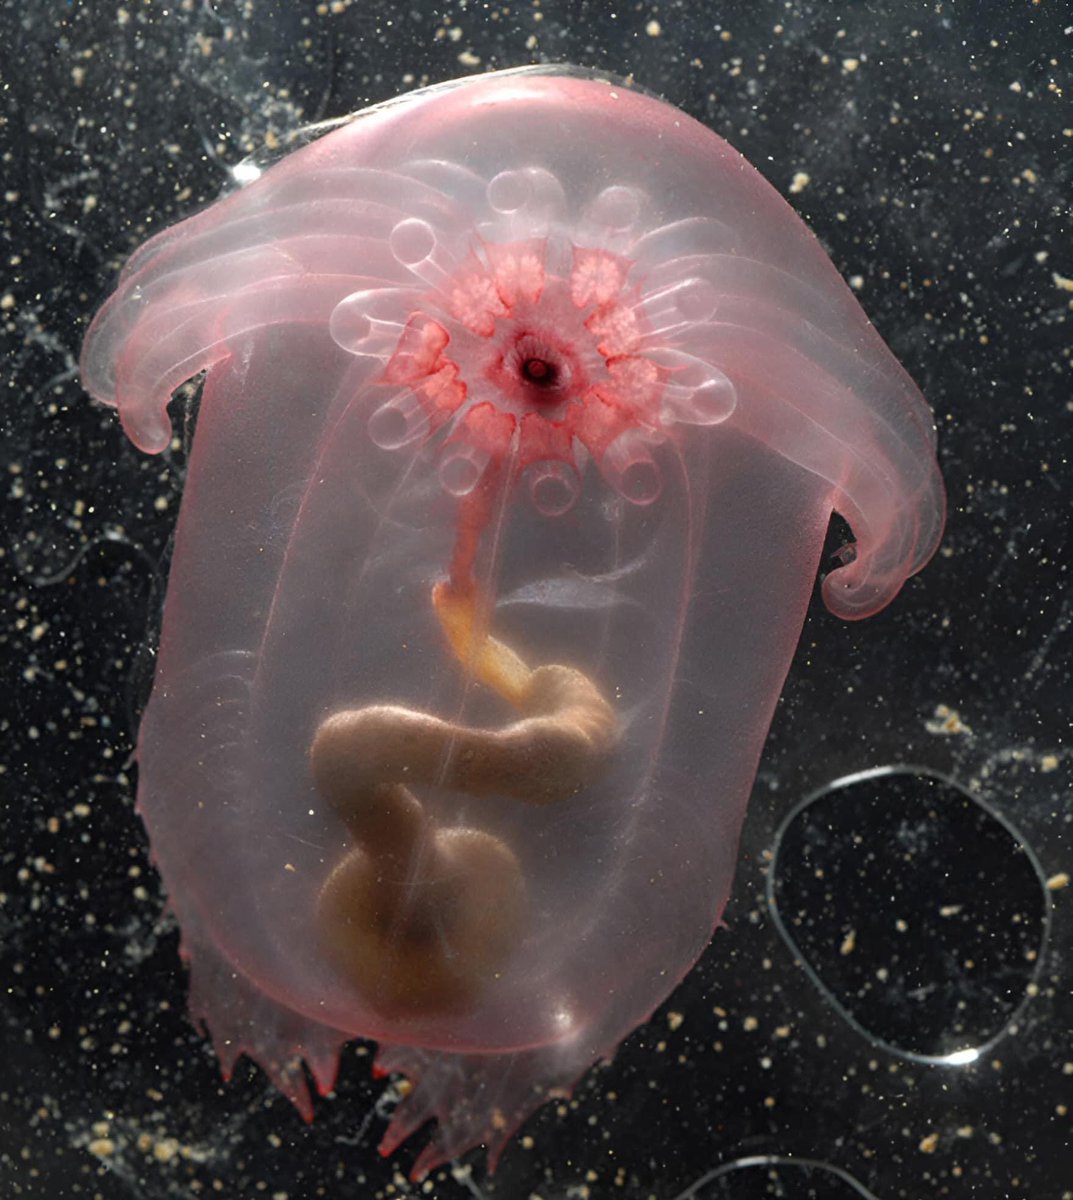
<point>601,420</point>
<point>615,328</point>
<point>441,394</point>
<point>518,269</point>
<point>486,428</point>
<point>419,352</point>
<point>419,361</point>
<point>597,276</point>
<point>475,301</point>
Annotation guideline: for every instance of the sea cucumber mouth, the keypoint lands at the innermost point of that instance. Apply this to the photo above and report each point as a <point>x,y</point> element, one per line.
<point>537,372</point>
<point>525,367</point>
<point>529,347</point>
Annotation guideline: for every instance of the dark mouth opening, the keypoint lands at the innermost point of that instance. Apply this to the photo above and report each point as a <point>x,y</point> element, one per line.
<point>541,369</point>
<point>540,372</point>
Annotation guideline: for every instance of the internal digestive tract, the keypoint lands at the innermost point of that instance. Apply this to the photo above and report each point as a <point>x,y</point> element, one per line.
<point>420,916</point>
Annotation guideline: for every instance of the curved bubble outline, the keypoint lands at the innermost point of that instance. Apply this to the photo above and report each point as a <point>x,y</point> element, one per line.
<point>776,1160</point>
<point>958,1058</point>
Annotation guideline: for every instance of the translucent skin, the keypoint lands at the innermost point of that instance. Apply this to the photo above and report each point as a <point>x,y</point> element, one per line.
<point>527,405</point>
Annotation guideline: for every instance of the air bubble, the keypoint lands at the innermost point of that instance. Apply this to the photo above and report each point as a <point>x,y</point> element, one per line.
<point>461,468</point>
<point>927,912</point>
<point>398,422</point>
<point>631,470</point>
<point>553,487</point>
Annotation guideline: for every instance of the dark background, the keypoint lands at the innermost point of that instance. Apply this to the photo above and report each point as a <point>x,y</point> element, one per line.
<point>892,922</point>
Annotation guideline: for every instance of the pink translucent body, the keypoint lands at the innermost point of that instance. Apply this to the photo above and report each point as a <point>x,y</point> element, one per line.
<point>553,347</point>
